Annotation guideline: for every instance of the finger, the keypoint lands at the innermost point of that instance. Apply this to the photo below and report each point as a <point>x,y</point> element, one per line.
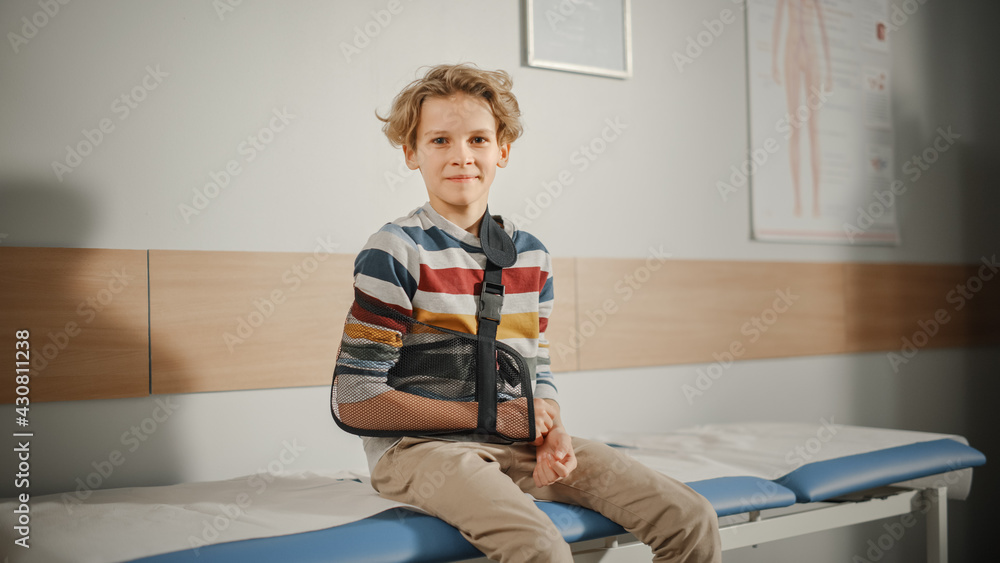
<point>541,428</point>
<point>543,459</point>
<point>547,421</point>
<point>563,446</point>
<point>540,434</point>
<point>555,469</point>
<point>571,462</point>
<point>546,469</point>
<point>565,464</point>
<point>543,475</point>
<point>559,469</point>
<point>543,420</point>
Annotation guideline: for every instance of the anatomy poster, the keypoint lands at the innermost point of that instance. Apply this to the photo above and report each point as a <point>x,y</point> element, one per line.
<point>821,137</point>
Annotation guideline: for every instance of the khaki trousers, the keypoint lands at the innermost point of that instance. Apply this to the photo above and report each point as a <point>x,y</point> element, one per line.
<point>479,489</point>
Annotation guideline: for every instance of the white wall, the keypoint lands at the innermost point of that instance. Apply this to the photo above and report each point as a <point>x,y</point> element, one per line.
<point>325,175</point>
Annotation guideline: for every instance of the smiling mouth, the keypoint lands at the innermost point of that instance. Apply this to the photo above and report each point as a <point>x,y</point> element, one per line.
<point>462,178</point>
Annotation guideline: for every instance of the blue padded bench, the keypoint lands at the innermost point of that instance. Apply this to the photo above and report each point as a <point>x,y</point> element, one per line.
<point>822,480</point>
<point>400,534</point>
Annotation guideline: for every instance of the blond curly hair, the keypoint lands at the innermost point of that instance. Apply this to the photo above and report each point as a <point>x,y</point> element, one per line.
<point>400,126</point>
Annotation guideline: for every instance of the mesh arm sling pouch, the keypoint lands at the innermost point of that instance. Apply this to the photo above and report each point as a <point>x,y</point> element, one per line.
<point>440,381</point>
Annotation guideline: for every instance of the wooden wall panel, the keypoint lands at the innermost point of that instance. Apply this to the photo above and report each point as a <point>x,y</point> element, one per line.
<point>889,306</point>
<point>246,320</point>
<point>885,303</point>
<point>635,312</point>
<point>984,305</point>
<point>563,321</point>
<point>87,314</point>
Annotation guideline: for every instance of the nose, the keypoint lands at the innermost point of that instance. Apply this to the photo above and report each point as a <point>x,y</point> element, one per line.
<point>462,155</point>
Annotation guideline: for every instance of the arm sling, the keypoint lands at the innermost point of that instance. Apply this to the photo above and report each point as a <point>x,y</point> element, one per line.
<point>438,363</point>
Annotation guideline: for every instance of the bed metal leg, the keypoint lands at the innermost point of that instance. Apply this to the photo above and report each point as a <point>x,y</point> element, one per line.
<point>937,525</point>
<point>757,529</point>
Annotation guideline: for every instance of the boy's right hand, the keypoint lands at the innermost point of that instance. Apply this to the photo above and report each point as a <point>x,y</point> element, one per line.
<point>545,420</point>
<point>555,458</point>
<point>545,417</point>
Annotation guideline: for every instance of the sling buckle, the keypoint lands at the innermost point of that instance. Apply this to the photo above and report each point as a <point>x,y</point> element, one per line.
<point>490,301</point>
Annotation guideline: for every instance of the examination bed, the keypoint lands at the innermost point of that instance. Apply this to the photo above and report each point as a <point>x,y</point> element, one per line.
<point>766,481</point>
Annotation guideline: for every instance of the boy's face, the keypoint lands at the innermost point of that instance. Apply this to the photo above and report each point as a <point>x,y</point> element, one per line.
<point>457,153</point>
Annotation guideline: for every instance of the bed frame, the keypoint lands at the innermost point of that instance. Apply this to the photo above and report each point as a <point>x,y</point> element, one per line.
<point>778,524</point>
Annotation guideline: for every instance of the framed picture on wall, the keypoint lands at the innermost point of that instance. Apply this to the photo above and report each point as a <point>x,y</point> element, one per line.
<point>592,37</point>
<point>822,140</point>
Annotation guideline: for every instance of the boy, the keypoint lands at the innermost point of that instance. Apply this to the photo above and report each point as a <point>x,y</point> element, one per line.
<point>456,125</point>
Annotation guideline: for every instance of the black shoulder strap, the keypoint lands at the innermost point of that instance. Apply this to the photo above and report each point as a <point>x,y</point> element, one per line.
<point>500,253</point>
<point>497,244</point>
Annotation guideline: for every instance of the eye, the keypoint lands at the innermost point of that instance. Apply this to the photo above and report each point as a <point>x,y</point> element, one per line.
<point>439,141</point>
<point>479,140</point>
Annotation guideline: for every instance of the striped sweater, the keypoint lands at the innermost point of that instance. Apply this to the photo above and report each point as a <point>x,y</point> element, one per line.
<point>427,267</point>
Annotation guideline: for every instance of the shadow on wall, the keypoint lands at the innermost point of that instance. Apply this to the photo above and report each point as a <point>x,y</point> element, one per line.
<point>954,391</point>
<point>36,213</point>
<point>983,390</point>
<point>981,235</point>
<point>78,445</point>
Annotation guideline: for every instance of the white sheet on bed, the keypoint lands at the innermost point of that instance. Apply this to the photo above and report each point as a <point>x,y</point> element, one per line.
<point>772,450</point>
<point>124,524</point>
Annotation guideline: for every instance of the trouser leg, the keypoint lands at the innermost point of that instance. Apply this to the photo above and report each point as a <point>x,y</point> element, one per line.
<point>677,522</point>
<point>464,484</point>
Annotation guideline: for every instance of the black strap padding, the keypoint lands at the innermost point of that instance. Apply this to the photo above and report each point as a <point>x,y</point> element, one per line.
<point>500,253</point>
<point>486,357</point>
<point>497,244</point>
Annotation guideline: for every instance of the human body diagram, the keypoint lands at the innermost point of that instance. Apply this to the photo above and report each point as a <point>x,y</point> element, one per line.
<point>801,74</point>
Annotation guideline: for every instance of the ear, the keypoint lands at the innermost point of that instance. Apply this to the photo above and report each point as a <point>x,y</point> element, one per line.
<point>504,155</point>
<point>411,158</point>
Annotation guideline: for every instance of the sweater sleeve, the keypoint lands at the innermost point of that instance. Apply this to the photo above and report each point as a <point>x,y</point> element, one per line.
<point>545,387</point>
<point>386,273</point>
